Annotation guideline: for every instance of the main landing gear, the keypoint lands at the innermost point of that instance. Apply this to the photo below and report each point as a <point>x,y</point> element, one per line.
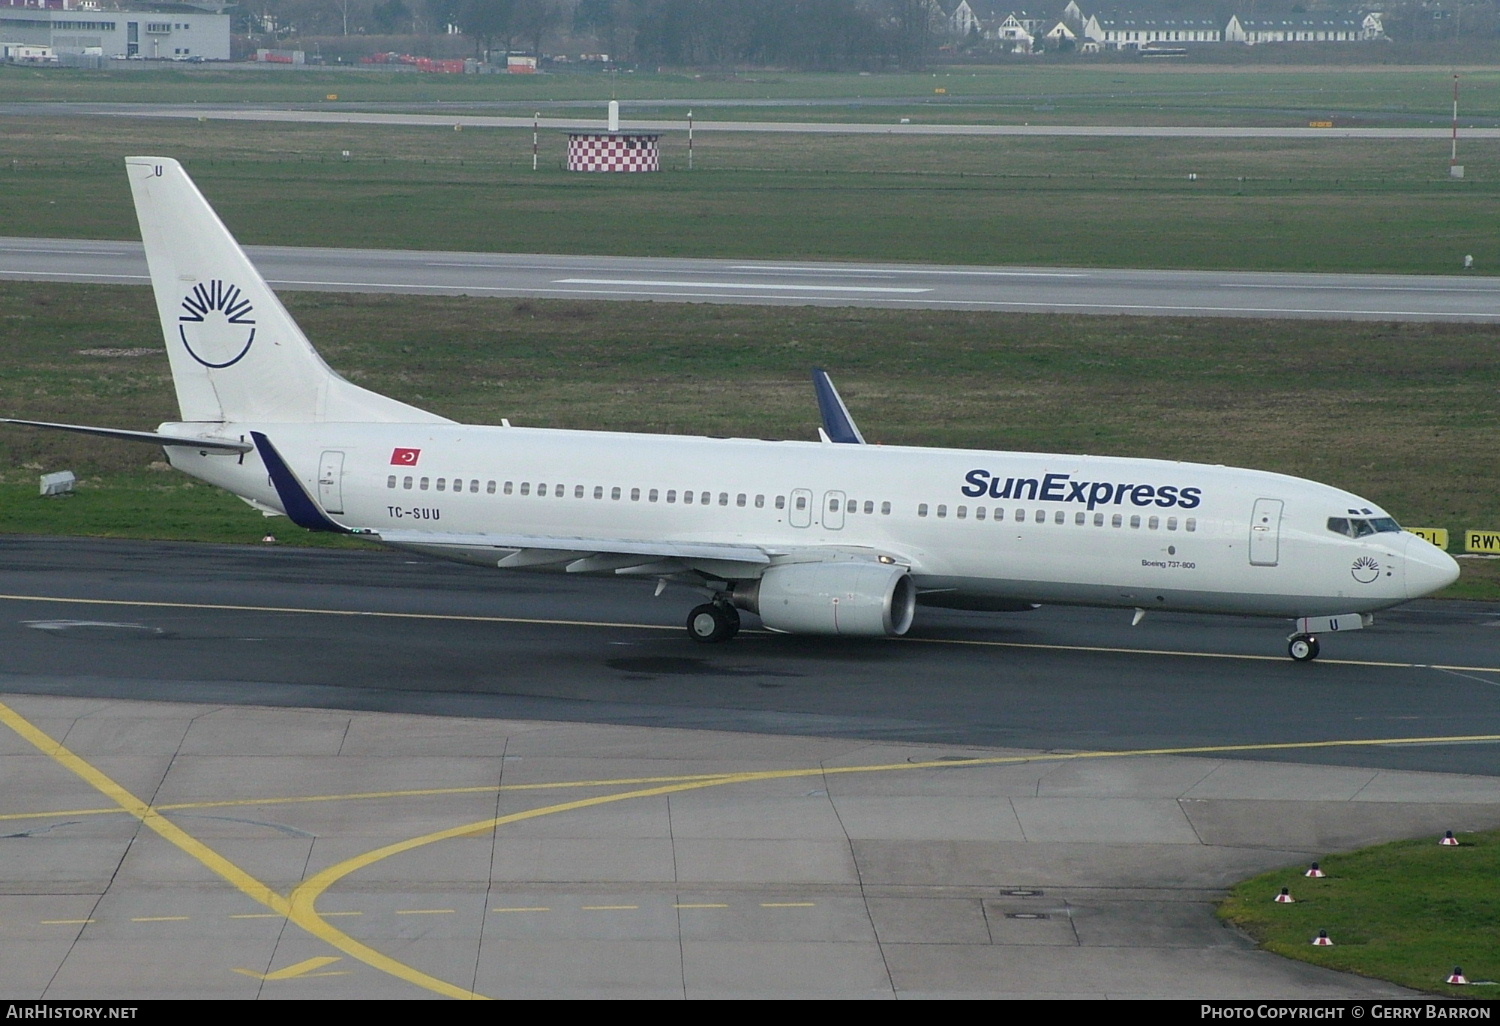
<point>713,622</point>
<point>1302,647</point>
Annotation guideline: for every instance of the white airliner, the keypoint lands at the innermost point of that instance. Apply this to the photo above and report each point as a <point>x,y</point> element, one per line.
<point>827,537</point>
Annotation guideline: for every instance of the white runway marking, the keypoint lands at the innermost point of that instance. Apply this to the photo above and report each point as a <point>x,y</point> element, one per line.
<point>760,286</point>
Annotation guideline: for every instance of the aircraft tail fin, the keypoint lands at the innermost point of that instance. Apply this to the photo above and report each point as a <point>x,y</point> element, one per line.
<point>236,353</point>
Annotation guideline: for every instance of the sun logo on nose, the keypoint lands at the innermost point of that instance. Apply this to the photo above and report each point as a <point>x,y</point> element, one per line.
<point>1365,570</point>
<point>215,324</point>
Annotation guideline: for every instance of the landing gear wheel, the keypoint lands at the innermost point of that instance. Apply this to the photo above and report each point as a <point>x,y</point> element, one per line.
<point>711,623</point>
<point>1303,648</point>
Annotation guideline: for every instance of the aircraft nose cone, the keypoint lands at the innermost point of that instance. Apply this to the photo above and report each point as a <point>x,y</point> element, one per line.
<point>1428,568</point>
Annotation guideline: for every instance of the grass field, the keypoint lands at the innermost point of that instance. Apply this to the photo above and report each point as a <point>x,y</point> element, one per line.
<point>1407,912</point>
<point>1403,413</point>
<point>1257,204</point>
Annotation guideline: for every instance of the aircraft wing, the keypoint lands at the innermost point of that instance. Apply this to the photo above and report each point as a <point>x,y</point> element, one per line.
<point>581,555</point>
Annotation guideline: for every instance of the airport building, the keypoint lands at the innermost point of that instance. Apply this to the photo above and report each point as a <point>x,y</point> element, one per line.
<point>157,32</point>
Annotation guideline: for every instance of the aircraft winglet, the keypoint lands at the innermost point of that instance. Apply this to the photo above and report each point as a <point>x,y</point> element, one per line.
<point>301,508</point>
<point>838,426</point>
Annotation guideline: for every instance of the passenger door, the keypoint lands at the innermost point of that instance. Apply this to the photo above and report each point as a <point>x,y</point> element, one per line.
<point>1265,532</point>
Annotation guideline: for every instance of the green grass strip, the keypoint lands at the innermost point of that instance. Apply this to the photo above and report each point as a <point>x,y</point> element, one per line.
<point>1407,912</point>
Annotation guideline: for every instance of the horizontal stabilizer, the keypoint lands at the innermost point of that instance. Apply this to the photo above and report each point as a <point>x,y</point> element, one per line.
<point>838,426</point>
<point>153,437</point>
<point>300,506</point>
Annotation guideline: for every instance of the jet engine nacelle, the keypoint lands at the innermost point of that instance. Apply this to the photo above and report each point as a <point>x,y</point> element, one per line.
<point>847,598</point>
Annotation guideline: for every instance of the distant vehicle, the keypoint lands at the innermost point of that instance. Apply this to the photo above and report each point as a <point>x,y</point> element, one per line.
<point>830,537</point>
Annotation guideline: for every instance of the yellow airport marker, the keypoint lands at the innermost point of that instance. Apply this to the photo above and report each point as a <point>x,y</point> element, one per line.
<point>291,972</point>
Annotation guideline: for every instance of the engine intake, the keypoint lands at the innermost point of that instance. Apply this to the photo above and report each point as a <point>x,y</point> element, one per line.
<point>845,598</point>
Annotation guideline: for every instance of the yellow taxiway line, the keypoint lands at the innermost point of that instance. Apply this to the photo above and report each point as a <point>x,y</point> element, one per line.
<point>300,907</point>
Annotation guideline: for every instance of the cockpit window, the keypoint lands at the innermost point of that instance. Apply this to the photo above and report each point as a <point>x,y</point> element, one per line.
<point>1359,527</point>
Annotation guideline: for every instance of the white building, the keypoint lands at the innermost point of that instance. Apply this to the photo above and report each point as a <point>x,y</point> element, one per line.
<point>180,32</point>
<point>1129,31</point>
<point>1305,28</point>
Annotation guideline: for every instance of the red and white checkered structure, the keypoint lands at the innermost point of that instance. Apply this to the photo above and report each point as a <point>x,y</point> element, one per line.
<point>613,151</point>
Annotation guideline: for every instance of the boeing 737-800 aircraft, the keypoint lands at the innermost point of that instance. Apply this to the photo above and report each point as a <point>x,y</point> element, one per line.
<point>828,537</point>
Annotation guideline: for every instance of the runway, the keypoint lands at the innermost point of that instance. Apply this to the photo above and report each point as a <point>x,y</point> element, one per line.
<point>1470,299</point>
<point>260,772</point>
<point>923,122</point>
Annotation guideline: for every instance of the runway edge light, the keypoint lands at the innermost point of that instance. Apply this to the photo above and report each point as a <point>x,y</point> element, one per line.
<point>1322,940</point>
<point>1449,841</point>
<point>1285,897</point>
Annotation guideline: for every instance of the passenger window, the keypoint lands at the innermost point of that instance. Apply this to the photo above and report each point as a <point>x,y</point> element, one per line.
<point>801,502</point>
<point>651,496</point>
<point>962,513</point>
<point>942,509</point>
<point>1192,523</point>
<point>1153,523</point>
<point>978,512</point>
<point>559,491</point>
<point>614,493</point>
<point>525,487</point>
<point>869,507</point>
<point>440,483</point>
<point>1041,516</point>
<point>541,491</point>
<point>490,487</point>
<point>635,495</point>
<point>578,491</point>
<point>406,483</point>
<point>885,509</point>
<point>598,491</point>
<point>760,502</point>
<point>704,497</point>
<point>723,498</point>
<point>687,498</point>
<point>921,509</point>
<point>672,495</point>
<point>1116,521</point>
<point>474,487</point>
<point>1098,519</point>
<point>1059,517</point>
<point>999,513</point>
<point>1171,523</point>
<point>781,502</point>
<point>422,485</point>
<point>390,482</point>
<point>1079,518</point>
<point>739,500</point>
<point>833,505</point>
<point>1135,521</point>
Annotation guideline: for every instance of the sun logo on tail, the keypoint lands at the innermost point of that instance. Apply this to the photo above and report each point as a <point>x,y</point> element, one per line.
<point>215,325</point>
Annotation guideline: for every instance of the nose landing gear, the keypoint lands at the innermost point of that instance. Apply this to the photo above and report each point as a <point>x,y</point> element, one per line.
<point>1302,647</point>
